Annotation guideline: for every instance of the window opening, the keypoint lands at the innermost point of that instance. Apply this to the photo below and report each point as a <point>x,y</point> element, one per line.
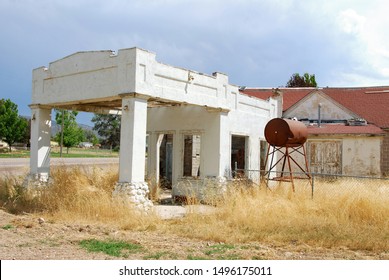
<point>238,156</point>
<point>192,146</point>
<point>166,161</point>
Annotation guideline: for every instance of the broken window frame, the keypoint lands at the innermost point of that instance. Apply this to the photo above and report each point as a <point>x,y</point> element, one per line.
<point>199,155</point>
<point>240,172</point>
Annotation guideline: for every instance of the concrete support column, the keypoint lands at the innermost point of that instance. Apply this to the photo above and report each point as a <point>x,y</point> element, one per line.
<point>225,146</point>
<point>40,143</point>
<point>132,156</point>
<point>133,140</point>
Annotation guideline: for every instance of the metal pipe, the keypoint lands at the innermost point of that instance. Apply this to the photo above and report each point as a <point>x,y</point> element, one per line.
<point>319,115</point>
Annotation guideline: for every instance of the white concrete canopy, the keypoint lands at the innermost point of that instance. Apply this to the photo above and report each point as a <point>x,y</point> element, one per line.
<point>198,111</point>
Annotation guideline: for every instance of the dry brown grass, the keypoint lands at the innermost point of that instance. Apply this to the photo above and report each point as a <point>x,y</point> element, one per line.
<point>75,195</point>
<point>339,215</point>
<point>354,217</point>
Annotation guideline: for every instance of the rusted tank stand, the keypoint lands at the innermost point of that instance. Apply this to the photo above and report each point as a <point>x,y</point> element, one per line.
<point>286,138</point>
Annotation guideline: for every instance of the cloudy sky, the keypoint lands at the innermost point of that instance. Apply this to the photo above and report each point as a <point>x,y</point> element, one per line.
<point>257,43</point>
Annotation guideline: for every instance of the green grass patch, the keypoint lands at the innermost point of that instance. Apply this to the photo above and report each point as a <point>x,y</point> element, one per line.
<point>16,154</point>
<point>80,152</point>
<point>222,252</point>
<point>82,155</point>
<point>73,153</point>
<point>110,247</point>
<point>7,227</point>
<point>219,249</point>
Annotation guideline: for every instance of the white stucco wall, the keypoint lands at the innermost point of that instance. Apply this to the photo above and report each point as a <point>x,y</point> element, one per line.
<point>361,156</point>
<point>103,76</point>
<point>358,156</point>
<point>216,129</point>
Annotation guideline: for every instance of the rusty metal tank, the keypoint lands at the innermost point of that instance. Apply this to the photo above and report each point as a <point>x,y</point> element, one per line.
<point>282,132</point>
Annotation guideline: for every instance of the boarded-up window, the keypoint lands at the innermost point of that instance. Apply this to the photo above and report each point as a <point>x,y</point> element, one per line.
<point>192,144</point>
<point>325,157</point>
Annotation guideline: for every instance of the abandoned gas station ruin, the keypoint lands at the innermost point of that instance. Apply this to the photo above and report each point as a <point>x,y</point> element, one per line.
<point>198,127</point>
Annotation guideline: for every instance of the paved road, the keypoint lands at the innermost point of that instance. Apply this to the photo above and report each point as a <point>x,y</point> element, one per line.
<point>19,166</point>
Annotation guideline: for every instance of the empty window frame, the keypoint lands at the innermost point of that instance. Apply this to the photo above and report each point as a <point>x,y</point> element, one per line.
<point>166,161</point>
<point>192,151</point>
<point>238,155</point>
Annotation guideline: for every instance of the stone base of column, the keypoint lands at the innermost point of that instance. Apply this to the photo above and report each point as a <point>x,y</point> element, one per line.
<point>35,184</point>
<point>36,180</point>
<point>134,193</point>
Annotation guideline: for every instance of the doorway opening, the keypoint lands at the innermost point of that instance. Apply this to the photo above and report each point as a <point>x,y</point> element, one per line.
<point>166,161</point>
<point>191,162</point>
<point>238,156</point>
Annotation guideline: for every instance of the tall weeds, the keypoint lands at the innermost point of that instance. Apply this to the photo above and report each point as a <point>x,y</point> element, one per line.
<point>338,215</point>
<point>357,219</point>
<point>74,195</point>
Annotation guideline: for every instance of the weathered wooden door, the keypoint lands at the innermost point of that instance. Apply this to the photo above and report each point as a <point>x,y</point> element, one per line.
<point>325,156</point>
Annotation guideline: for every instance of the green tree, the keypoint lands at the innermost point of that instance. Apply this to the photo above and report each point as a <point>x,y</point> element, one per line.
<point>27,134</point>
<point>306,80</point>
<point>108,128</point>
<point>91,137</point>
<point>12,126</point>
<point>72,133</point>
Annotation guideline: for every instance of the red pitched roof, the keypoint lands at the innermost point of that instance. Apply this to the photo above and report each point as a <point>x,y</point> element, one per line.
<point>345,129</point>
<point>370,103</point>
<point>290,95</point>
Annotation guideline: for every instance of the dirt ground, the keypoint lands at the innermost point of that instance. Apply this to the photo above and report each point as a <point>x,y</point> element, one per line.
<point>27,237</point>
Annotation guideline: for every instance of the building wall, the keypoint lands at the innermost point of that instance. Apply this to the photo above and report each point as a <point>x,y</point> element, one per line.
<point>360,156</point>
<point>188,119</point>
<point>347,155</point>
<point>216,130</point>
<point>308,109</point>
<point>180,102</point>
